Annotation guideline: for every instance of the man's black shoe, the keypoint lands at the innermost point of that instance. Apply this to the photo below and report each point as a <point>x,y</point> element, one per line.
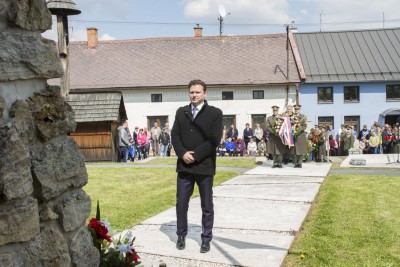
<point>180,244</point>
<point>205,247</point>
<point>296,166</point>
<point>299,165</point>
<point>279,166</point>
<point>274,166</point>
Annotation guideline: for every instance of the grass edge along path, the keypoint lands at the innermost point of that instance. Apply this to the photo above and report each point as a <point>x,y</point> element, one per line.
<point>241,162</point>
<point>355,221</point>
<point>129,196</point>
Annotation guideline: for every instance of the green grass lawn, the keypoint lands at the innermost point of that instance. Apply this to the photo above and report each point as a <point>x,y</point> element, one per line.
<point>242,162</point>
<point>130,195</point>
<point>354,222</point>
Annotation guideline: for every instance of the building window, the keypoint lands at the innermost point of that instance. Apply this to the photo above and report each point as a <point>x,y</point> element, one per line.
<point>258,94</point>
<point>351,94</point>
<point>228,120</point>
<point>325,121</point>
<point>156,97</point>
<point>258,119</point>
<point>353,121</point>
<point>227,95</point>
<point>161,121</point>
<point>325,95</point>
<point>393,92</point>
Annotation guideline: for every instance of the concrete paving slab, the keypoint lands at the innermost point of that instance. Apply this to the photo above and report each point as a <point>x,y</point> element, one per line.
<point>310,169</point>
<point>372,161</point>
<point>251,214</point>
<point>264,179</point>
<point>305,192</point>
<point>157,244</point>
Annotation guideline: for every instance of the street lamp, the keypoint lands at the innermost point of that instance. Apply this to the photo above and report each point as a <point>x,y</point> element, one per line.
<point>62,9</point>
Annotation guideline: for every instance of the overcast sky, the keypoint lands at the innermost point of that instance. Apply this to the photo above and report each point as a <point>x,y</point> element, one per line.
<point>132,19</point>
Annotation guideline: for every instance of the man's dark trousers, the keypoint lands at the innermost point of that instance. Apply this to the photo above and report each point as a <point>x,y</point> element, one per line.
<point>123,153</point>
<point>185,186</point>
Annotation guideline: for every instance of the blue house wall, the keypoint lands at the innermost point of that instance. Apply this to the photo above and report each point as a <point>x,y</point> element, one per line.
<point>372,103</point>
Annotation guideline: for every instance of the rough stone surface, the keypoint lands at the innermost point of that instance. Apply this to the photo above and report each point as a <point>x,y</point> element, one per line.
<point>7,259</point>
<point>43,208</point>
<point>4,6</point>
<point>49,248</point>
<point>31,15</point>
<point>83,253</point>
<point>73,208</point>
<point>46,213</point>
<point>58,167</point>
<point>2,106</point>
<point>23,120</point>
<point>53,116</point>
<point>27,57</point>
<point>20,221</point>
<point>15,166</point>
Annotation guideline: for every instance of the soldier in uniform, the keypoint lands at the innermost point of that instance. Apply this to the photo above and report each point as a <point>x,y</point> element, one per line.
<point>342,140</point>
<point>275,146</point>
<point>322,145</point>
<point>348,141</point>
<point>300,142</point>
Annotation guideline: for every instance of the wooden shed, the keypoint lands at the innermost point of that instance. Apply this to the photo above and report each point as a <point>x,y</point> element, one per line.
<point>98,116</point>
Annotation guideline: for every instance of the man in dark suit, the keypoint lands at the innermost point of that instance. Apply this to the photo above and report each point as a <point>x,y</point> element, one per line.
<point>195,135</point>
<point>232,133</point>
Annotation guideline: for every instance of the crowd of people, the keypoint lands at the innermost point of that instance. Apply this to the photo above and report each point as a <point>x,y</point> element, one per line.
<point>317,144</point>
<point>320,142</point>
<point>137,144</point>
<point>374,140</point>
<point>253,142</point>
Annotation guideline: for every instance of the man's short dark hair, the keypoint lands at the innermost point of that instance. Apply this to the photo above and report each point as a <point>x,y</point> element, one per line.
<point>195,82</point>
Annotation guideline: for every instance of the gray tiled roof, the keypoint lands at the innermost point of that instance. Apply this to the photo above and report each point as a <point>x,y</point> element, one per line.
<point>350,56</point>
<point>95,107</point>
<point>155,62</point>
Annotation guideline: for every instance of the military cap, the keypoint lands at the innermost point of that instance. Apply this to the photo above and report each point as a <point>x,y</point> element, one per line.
<point>275,107</point>
<point>297,106</point>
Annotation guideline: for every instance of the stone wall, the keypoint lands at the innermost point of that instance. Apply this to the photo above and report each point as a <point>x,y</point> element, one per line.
<point>43,209</point>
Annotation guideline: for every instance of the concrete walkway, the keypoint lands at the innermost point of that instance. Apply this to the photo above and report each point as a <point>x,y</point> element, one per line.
<point>257,215</point>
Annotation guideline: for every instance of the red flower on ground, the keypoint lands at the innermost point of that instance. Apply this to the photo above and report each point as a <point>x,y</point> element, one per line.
<point>100,229</point>
<point>136,258</point>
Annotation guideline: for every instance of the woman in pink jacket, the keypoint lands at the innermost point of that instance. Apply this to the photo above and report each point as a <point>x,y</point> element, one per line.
<point>141,144</point>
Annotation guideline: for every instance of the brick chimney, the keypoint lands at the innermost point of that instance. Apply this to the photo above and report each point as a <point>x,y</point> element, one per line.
<point>198,31</point>
<point>92,37</point>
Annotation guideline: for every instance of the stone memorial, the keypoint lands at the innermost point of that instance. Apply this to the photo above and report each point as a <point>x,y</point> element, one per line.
<point>43,209</point>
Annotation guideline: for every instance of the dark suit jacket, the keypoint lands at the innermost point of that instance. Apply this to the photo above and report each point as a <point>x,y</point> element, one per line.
<point>232,133</point>
<point>201,135</point>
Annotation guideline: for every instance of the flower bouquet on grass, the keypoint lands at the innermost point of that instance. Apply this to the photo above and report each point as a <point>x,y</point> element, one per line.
<point>116,250</point>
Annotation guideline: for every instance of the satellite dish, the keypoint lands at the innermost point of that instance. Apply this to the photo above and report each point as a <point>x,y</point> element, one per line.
<point>222,11</point>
